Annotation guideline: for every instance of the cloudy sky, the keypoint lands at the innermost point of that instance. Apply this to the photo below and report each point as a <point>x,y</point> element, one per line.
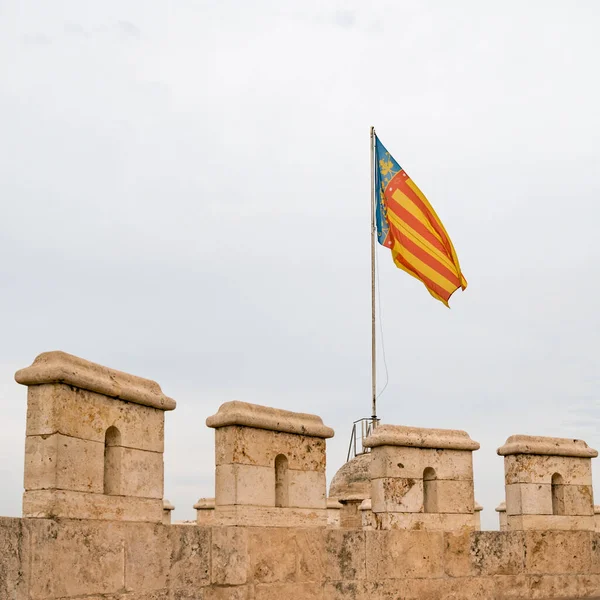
<point>185,196</point>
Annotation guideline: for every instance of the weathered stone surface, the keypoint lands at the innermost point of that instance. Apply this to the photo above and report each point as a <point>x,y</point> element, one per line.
<point>550,523</point>
<point>259,447</point>
<point>61,462</point>
<point>57,408</point>
<point>398,554</point>
<point>312,560</point>
<point>352,479</point>
<point>469,554</point>
<point>14,559</point>
<point>595,552</point>
<point>578,499</point>
<point>273,555</point>
<point>307,489</point>
<point>189,553</point>
<point>395,494</point>
<point>557,552</point>
<point>453,496</point>
<point>264,516</point>
<point>424,521</point>
<point>350,515</point>
<point>528,499</point>
<point>205,511</point>
<point>244,485</point>
<point>71,558</point>
<point>578,586</point>
<point>540,445</point>
<point>333,512</point>
<point>277,591</point>
<point>271,419</point>
<point>345,555</point>
<point>239,592</point>
<point>147,561</point>
<point>60,367</point>
<point>408,462</point>
<point>142,473</point>
<point>420,437</point>
<point>230,562</point>
<point>51,504</point>
<point>531,468</point>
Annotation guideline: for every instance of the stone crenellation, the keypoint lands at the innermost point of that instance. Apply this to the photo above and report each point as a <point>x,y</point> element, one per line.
<point>399,521</point>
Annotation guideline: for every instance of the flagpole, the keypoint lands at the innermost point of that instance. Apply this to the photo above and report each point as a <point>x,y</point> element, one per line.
<point>373,240</point>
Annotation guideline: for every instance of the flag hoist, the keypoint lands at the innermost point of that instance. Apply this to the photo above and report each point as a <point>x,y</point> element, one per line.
<point>403,221</point>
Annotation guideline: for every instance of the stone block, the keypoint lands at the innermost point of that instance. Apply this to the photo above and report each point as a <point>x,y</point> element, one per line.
<point>595,552</point>
<point>147,557</point>
<point>531,468</point>
<point>424,521</point>
<point>542,587</point>
<point>397,495</point>
<point>239,592</point>
<point>528,499</point>
<point>14,561</point>
<point>312,561</point>
<point>244,485</point>
<point>265,516</point>
<point>557,552</point>
<point>75,558</point>
<point>250,446</point>
<point>60,462</point>
<point>345,555</point>
<point>307,489</point>
<point>549,523</point>
<point>52,504</point>
<point>142,473</point>
<point>404,554</point>
<point>189,549</point>
<point>273,555</point>
<point>483,553</point>
<point>578,499</point>
<point>230,559</point>
<point>277,591</point>
<point>453,496</point>
<point>58,408</point>
<point>406,462</point>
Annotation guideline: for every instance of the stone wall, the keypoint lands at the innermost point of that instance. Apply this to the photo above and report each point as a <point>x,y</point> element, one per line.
<point>400,523</point>
<point>44,559</point>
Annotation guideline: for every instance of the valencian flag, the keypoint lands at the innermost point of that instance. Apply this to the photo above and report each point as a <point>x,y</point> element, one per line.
<point>408,225</point>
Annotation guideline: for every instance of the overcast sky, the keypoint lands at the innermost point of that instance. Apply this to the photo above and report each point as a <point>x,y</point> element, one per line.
<point>185,196</point>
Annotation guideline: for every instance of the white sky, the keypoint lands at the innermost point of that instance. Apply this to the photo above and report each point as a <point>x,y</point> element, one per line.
<point>185,196</point>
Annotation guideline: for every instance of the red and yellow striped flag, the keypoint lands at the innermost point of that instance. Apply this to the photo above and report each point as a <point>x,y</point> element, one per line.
<point>408,225</point>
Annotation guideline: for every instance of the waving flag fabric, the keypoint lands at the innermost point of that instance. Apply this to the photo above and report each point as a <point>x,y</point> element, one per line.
<point>408,225</point>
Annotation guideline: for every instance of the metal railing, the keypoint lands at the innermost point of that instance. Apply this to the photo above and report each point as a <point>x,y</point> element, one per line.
<point>366,428</point>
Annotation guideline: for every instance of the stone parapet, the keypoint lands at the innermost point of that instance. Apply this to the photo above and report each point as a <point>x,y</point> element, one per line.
<point>45,559</point>
<point>205,511</point>
<point>548,483</point>
<point>94,441</point>
<point>421,478</point>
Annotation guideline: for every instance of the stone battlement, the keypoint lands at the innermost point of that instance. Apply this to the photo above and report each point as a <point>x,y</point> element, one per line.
<point>400,521</point>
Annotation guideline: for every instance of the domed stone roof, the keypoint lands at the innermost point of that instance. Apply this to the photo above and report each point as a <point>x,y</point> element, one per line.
<point>352,481</point>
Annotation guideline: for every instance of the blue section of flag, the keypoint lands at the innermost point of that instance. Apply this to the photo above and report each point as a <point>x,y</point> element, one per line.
<point>385,168</point>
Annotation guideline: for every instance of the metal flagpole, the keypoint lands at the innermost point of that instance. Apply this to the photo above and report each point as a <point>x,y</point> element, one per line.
<point>373,240</point>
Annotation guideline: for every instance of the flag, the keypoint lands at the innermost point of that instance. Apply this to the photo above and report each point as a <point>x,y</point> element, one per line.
<point>409,227</point>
